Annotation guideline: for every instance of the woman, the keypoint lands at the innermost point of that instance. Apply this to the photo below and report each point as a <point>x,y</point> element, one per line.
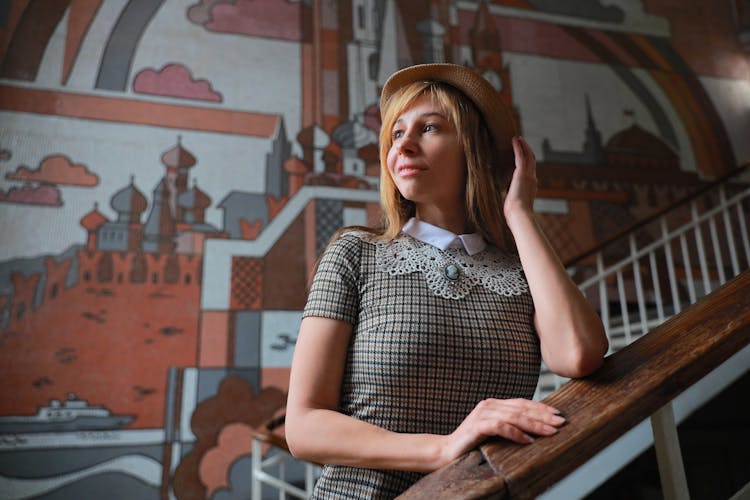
<point>421,340</point>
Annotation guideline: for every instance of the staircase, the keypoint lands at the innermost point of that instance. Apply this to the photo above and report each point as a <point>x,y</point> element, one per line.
<point>646,274</point>
<point>652,270</point>
<point>638,279</point>
<point>644,379</point>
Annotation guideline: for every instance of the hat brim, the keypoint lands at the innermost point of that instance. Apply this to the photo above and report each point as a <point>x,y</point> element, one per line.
<point>499,118</point>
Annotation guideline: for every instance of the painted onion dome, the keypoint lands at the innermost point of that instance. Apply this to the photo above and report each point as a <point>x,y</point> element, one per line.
<point>639,142</point>
<point>194,199</point>
<point>92,220</point>
<point>431,27</point>
<point>178,156</point>
<point>369,152</point>
<point>330,160</point>
<point>353,134</point>
<point>159,229</point>
<point>313,136</point>
<point>129,200</point>
<point>294,165</point>
<point>372,118</point>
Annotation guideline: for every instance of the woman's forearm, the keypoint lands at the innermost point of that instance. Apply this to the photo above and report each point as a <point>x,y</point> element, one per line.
<point>327,436</point>
<point>572,336</point>
<point>317,432</point>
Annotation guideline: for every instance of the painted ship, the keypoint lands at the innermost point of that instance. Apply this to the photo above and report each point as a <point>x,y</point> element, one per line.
<point>71,415</point>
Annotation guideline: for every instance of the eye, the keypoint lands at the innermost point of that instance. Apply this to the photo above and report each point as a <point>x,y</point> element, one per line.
<point>397,134</point>
<point>430,127</point>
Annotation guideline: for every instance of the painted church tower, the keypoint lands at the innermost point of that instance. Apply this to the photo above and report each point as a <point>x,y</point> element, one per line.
<point>362,55</point>
<point>487,53</point>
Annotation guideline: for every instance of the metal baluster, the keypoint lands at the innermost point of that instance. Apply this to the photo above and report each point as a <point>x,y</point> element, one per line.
<point>688,268</point>
<point>717,250</point>
<point>670,266</point>
<point>657,287</point>
<point>701,251</point>
<point>603,299</point>
<point>638,285</point>
<point>624,308</point>
<point>743,232</point>
<point>309,479</point>
<point>729,232</point>
<point>668,455</point>
<point>257,457</point>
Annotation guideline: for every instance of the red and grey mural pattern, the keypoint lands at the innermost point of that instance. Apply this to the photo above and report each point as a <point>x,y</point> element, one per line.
<point>170,171</point>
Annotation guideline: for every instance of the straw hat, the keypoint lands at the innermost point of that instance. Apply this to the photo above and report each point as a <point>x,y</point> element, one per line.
<point>497,115</point>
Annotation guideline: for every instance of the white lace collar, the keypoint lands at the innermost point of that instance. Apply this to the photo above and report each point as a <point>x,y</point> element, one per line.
<point>450,273</point>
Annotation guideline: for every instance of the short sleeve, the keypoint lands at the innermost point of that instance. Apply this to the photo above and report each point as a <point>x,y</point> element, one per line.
<point>334,293</point>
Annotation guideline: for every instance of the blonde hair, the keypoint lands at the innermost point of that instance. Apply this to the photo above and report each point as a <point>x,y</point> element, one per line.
<point>488,169</point>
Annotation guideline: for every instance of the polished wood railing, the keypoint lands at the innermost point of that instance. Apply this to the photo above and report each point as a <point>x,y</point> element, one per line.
<point>268,434</point>
<point>633,384</point>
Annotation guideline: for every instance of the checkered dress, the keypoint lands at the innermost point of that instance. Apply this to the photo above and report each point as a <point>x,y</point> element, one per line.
<point>417,362</point>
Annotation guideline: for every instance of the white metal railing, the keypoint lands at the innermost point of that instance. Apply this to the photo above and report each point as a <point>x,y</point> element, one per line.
<point>286,486</point>
<point>637,287</point>
<point>682,268</point>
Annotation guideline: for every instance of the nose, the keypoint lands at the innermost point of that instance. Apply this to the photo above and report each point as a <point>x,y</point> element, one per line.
<point>406,143</point>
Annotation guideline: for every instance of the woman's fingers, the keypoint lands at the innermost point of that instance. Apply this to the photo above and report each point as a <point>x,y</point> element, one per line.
<point>517,419</point>
<point>522,404</point>
<point>527,403</point>
<point>513,433</point>
<point>528,152</point>
<point>525,159</point>
<point>518,152</point>
<point>529,422</point>
<point>523,184</point>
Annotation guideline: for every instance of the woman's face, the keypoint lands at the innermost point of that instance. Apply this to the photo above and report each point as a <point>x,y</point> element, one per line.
<point>426,160</point>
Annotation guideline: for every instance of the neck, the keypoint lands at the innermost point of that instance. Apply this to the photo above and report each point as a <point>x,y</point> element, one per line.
<point>452,220</point>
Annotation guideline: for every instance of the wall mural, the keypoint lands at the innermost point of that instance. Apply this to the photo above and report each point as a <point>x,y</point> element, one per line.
<point>172,169</point>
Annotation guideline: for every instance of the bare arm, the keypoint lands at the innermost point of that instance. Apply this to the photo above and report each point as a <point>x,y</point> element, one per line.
<point>572,337</point>
<point>317,432</point>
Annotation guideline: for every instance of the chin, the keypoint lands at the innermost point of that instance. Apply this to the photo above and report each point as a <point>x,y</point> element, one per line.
<point>412,197</point>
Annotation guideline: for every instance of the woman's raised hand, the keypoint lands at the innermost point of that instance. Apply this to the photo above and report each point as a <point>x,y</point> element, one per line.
<point>513,419</point>
<point>523,184</point>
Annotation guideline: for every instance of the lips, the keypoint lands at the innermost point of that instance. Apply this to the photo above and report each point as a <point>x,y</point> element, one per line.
<point>409,170</point>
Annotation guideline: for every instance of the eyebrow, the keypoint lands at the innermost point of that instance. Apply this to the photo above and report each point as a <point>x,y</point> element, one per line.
<point>425,115</point>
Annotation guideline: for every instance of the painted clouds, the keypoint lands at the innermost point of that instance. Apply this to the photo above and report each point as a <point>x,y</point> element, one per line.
<point>40,184</point>
<point>263,18</point>
<point>174,80</point>
<point>57,169</point>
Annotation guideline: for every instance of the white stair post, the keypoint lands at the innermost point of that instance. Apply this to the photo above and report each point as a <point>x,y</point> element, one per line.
<point>668,455</point>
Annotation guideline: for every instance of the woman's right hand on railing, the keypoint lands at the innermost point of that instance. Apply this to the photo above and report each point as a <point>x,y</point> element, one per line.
<point>513,419</point>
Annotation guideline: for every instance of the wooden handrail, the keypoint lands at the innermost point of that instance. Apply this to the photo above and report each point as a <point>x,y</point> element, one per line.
<point>266,433</point>
<point>632,384</point>
<point>643,222</point>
